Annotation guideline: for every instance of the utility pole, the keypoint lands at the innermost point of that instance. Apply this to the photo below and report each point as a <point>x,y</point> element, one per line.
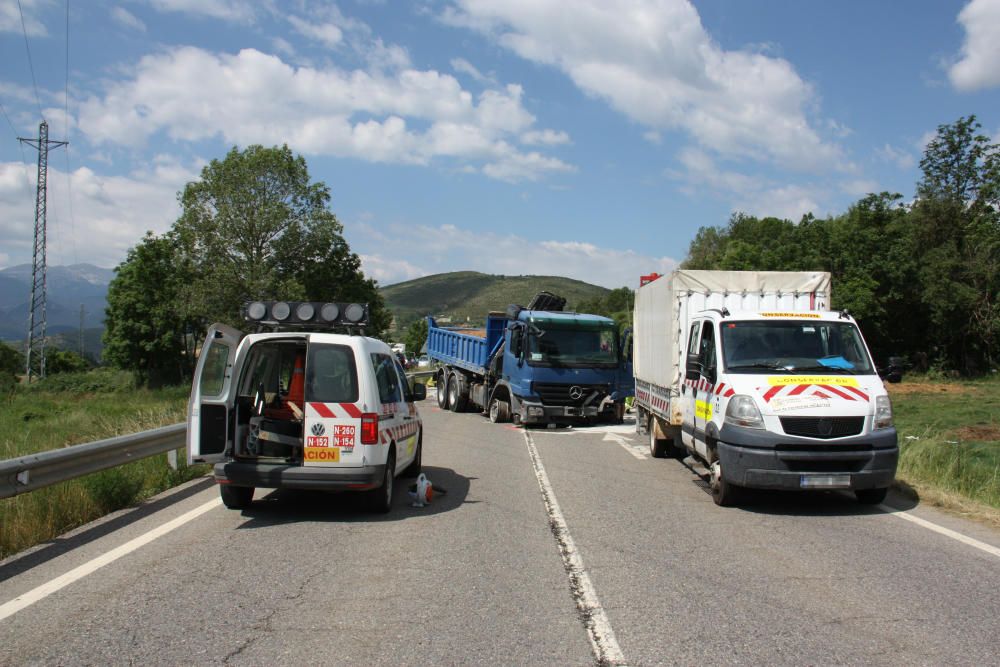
<point>36,305</point>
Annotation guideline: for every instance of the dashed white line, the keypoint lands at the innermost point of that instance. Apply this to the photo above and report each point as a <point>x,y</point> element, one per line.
<point>599,631</point>
<point>46,589</point>
<point>947,532</point>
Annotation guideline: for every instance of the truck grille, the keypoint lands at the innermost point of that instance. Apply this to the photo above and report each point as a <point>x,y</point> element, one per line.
<point>823,427</point>
<point>560,394</point>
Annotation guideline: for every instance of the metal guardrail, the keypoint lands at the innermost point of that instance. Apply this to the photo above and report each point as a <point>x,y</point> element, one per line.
<point>35,471</point>
<point>42,469</point>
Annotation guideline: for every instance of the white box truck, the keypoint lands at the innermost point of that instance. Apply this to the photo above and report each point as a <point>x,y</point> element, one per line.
<point>751,374</point>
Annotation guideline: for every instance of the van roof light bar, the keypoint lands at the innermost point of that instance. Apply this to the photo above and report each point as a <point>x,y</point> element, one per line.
<point>312,314</point>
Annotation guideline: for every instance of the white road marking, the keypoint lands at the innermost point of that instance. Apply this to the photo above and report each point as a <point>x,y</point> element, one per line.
<point>627,446</point>
<point>947,532</point>
<point>43,591</point>
<point>602,637</point>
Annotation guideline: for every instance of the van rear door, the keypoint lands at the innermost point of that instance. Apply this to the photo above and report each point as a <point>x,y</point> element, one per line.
<point>332,429</point>
<point>208,407</point>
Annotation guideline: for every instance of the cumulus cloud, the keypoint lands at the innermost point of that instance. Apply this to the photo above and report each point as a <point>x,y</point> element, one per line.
<point>463,66</point>
<point>109,214</point>
<point>897,156</point>
<point>405,116</point>
<point>655,63</point>
<point>10,17</point>
<point>237,11</point>
<point>977,68</point>
<point>448,248</point>
<point>545,138</point>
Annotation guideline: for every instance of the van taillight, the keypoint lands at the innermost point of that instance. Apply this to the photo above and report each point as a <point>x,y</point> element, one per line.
<point>369,428</point>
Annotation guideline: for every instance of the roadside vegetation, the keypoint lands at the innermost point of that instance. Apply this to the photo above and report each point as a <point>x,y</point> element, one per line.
<point>949,438</point>
<point>72,408</point>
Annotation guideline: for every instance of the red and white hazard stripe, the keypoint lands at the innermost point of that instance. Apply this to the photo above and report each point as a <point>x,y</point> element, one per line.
<point>333,410</point>
<point>817,390</point>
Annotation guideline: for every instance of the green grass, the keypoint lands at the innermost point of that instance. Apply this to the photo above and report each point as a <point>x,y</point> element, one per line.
<point>949,436</point>
<point>71,409</point>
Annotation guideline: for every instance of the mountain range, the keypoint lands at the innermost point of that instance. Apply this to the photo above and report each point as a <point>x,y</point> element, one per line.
<point>67,288</point>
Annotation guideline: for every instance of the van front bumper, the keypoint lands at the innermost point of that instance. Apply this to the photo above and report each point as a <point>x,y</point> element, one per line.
<point>287,476</point>
<point>762,460</point>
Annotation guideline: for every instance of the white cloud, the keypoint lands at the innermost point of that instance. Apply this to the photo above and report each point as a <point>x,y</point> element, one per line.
<point>448,248</point>
<point>252,97</point>
<point>897,156</point>
<point>978,66</point>
<point>237,11</point>
<point>109,214</point>
<point>326,33</point>
<point>463,66</point>
<point>653,62</point>
<point>545,138</point>
<point>125,18</point>
<point>10,17</point>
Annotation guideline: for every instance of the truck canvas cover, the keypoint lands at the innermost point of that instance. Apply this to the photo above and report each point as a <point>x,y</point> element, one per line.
<point>663,309</point>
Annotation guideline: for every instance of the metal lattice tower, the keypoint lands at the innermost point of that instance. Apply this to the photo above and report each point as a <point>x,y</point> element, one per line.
<point>35,352</point>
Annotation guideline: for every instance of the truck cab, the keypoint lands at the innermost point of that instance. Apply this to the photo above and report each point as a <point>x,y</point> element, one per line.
<point>303,406</point>
<point>785,400</point>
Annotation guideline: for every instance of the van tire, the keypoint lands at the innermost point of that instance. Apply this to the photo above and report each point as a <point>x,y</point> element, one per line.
<point>441,388</point>
<point>413,469</point>
<point>456,402</point>
<point>724,493</point>
<point>236,497</point>
<point>380,499</point>
<point>657,447</point>
<point>870,496</point>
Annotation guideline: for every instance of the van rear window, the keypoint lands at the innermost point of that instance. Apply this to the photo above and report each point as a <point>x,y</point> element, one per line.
<point>331,374</point>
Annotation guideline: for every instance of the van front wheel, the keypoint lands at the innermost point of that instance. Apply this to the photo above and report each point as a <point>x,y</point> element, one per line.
<point>236,497</point>
<point>724,493</point>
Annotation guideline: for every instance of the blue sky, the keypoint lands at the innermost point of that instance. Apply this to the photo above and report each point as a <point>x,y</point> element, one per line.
<point>589,139</point>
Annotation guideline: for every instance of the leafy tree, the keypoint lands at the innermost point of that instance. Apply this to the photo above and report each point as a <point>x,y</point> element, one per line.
<point>65,361</point>
<point>145,322</point>
<point>416,336</point>
<point>255,227</point>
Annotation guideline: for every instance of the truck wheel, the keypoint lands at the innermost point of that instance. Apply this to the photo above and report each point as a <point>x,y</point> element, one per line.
<point>441,388</point>
<point>870,496</point>
<point>236,497</point>
<point>456,402</point>
<point>380,499</point>
<point>657,447</point>
<point>499,411</point>
<point>724,493</point>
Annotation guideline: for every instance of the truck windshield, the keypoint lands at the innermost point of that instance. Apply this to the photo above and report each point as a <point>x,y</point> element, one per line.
<point>569,346</point>
<point>794,346</point>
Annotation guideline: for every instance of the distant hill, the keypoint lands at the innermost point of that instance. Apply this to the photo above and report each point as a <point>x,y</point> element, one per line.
<point>464,295</point>
<point>67,287</point>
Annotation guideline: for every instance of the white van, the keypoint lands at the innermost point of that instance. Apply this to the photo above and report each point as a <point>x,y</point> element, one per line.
<point>748,373</point>
<point>303,408</point>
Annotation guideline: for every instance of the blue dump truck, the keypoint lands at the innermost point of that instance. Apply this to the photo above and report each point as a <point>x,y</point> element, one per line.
<point>534,365</point>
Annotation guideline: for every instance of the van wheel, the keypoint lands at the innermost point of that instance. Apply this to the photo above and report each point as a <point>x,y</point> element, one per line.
<point>441,388</point>
<point>456,402</point>
<point>380,499</point>
<point>413,469</point>
<point>236,497</point>
<point>657,447</point>
<point>870,496</point>
<point>724,493</point>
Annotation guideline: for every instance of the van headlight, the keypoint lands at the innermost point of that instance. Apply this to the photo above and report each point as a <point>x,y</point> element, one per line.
<point>883,412</point>
<point>742,411</point>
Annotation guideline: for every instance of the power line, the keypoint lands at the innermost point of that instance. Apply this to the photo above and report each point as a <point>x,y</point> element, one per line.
<point>69,169</point>
<point>4,112</point>
<point>31,66</point>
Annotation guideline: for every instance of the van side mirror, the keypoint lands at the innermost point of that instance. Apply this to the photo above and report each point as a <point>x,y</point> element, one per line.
<point>419,391</point>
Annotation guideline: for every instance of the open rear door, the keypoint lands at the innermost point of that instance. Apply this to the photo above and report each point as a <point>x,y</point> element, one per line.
<point>208,408</point>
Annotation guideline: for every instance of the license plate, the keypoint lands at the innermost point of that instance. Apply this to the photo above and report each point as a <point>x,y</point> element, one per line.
<point>825,481</point>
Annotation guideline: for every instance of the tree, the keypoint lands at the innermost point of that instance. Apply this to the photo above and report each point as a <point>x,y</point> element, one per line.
<point>145,320</point>
<point>255,227</point>
<point>11,365</point>
<point>416,336</point>
<point>65,361</point>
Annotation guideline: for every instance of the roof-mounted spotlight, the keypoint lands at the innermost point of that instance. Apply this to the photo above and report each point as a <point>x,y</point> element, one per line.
<point>312,314</point>
<point>256,311</point>
<point>305,312</point>
<point>355,312</point>
<point>281,310</point>
<point>329,312</point>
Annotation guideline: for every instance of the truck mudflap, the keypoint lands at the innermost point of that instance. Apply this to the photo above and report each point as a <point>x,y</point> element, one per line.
<point>764,461</point>
<point>279,475</point>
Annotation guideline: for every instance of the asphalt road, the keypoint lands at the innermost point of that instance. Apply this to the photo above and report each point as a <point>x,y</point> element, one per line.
<point>554,547</point>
